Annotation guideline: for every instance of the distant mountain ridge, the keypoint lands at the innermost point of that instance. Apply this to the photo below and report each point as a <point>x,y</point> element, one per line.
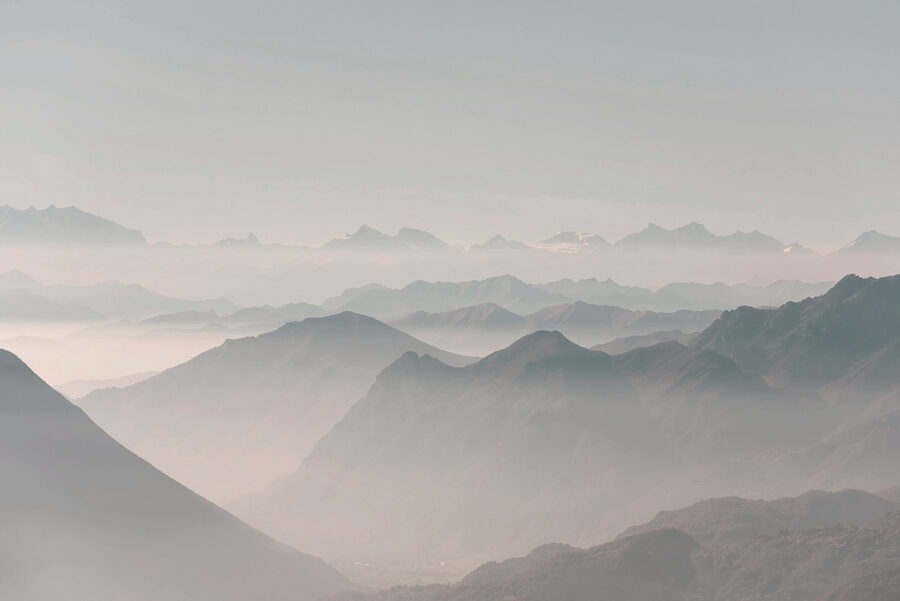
<point>872,241</point>
<point>489,326</point>
<point>21,296</point>
<point>696,236</point>
<point>512,294</point>
<point>367,237</point>
<point>61,225</point>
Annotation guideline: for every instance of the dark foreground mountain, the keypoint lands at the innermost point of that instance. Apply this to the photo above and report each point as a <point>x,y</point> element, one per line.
<point>84,519</point>
<point>881,586</point>
<point>668,565</point>
<point>735,520</point>
<point>544,440</point>
<point>236,417</point>
<point>61,225</point>
<point>846,338</point>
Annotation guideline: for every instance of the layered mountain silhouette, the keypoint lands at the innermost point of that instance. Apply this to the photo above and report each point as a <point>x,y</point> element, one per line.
<point>695,236</point>
<point>367,237</point>
<point>61,225</point>
<point>82,518</point>
<point>837,563</point>
<point>486,327</point>
<point>18,305</point>
<point>541,439</point>
<point>517,296</point>
<point>236,417</point>
<point>507,291</point>
<point>22,295</point>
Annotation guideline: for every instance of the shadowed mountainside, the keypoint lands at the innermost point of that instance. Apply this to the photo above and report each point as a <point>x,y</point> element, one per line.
<point>541,439</point>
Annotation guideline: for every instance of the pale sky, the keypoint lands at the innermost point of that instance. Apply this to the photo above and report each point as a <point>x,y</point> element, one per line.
<point>300,121</point>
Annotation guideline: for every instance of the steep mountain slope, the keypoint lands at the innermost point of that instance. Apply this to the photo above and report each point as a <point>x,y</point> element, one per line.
<point>82,518</point>
<point>543,440</point>
<point>709,409</point>
<point>236,417</point>
<point>471,460</point>
<point>734,520</point>
<point>817,341</point>
<point>61,225</point>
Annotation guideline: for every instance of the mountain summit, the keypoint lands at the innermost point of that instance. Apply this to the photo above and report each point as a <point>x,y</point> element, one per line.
<point>368,237</point>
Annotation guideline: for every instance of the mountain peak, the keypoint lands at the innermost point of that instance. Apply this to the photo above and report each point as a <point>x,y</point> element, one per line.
<point>535,347</point>
<point>873,241</point>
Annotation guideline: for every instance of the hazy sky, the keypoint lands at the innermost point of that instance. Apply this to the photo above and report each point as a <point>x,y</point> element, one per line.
<point>302,120</point>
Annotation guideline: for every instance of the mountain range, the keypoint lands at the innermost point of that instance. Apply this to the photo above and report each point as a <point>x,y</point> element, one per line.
<point>22,296</point>
<point>82,518</point>
<point>367,237</point>
<point>238,416</point>
<point>549,440</point>
<point>695,236</point>
<point>516,296</point>
<point>539,439</point>
<point>72,226</point>
<point>486,327</point>
<point>61,225</point>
